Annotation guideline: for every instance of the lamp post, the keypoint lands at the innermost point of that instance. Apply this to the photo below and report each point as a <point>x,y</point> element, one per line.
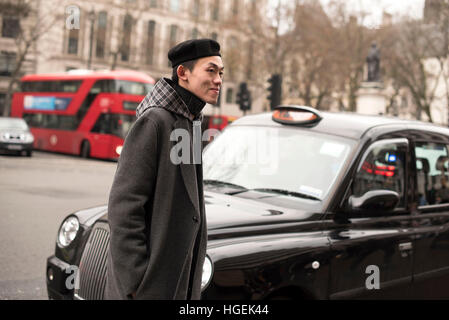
<point>91,39</point>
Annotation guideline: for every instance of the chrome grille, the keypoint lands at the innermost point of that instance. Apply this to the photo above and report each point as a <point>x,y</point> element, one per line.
<point>92,269</point>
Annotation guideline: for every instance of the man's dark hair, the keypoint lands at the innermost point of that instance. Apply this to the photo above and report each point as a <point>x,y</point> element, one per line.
<point>188,65</point>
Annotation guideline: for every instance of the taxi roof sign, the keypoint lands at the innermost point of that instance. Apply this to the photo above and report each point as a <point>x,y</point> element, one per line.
<point>296,115</point>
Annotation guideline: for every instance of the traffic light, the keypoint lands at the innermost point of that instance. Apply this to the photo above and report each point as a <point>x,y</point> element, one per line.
<point>244,97</point>
<point>275,90</point>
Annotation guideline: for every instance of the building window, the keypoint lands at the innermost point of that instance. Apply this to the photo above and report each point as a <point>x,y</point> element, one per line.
<point>173,38</point>
<point>153,3</point>
<point>7,63</point>
<point>229,95</point>
<point>173,35</point>
<point>73,41</point>
<point>214,36</point>
<point>235,8</point>
<point>126,39</point>
<point>10,27</point>
<point>101,34</point>
<point>150,42</point>
<point>195,33</point>
<point>215,10</point>
<point>174,5</point>
<point>196,8</point>
<point>233,57</point>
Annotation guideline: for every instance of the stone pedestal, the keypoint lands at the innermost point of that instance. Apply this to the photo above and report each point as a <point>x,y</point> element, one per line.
<point>371,99</point>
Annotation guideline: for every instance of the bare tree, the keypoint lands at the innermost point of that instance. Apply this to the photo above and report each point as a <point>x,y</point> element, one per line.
<point>409,50</point>
<point>438,44</point>
<point>313,58</point>
<point>351,46</point>
<point>31,24</point>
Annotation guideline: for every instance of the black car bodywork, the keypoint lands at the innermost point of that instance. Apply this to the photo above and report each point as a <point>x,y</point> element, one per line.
<point>360,241</point>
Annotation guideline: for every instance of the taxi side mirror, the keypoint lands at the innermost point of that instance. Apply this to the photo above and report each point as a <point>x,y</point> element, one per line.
<point>376,201</point>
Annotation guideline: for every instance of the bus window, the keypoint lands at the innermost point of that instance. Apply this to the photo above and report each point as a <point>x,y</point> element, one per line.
<point>121,86</point>
<point>70,86</point>
<point>67,123</point>
<point>115,124</point>
<point>51,121</point>
<point>132,87</point>
<point>130,105</point>
<point>102,86</point>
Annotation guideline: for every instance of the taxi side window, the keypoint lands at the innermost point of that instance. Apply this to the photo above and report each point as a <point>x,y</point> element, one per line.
<point>432,173</point>
<point>382,168</point>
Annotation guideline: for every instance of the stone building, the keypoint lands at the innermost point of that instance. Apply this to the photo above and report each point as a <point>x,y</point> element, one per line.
<point>136,34</point>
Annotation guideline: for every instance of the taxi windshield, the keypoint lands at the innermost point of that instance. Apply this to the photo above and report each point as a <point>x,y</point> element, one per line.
<point>282,160</point>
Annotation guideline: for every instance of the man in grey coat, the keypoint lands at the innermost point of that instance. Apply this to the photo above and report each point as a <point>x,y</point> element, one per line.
<point>156,210</point>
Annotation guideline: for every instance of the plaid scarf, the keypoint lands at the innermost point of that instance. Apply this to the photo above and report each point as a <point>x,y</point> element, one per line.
<point>165,96</point>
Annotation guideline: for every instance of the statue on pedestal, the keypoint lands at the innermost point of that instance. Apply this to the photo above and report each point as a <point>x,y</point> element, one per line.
<point>373,63</point>
<point>371,96</point>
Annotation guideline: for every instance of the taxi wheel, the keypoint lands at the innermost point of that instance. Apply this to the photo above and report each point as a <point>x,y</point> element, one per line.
<point>85,149</point>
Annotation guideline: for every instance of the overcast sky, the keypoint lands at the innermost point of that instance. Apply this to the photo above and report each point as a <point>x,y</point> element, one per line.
<point>374,8</point>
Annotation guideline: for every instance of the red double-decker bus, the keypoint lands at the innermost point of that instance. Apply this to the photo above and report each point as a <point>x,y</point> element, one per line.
<point>84,113</point>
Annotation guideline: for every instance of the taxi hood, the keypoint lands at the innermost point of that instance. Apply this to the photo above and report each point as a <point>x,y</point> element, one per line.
<point>226,212</point>
<point>230,212</point>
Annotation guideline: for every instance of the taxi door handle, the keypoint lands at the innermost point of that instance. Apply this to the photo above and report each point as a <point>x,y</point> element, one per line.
<point>405,247</point>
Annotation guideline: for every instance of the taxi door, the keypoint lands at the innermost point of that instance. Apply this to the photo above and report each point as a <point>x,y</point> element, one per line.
<point>372,247</point>
<point>431,219</point>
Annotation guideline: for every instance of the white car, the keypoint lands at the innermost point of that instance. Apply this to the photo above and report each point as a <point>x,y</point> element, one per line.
<point>15,136</point>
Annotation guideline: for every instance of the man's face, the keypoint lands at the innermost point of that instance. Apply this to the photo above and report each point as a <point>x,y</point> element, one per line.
<point>205,79</point>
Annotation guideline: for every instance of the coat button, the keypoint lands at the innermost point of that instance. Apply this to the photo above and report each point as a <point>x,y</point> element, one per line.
<point>195,218</point>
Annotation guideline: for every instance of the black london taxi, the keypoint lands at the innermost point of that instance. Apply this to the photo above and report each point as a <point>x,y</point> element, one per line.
<point>303,204</point>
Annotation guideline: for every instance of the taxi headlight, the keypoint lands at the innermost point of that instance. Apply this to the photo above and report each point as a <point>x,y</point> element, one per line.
<point>68,231</point>
<point>118,150</point>
<point>207,273</point>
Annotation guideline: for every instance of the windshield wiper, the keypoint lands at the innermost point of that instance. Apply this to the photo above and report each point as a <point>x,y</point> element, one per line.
<point>285,192</point>
<point>223,183</point>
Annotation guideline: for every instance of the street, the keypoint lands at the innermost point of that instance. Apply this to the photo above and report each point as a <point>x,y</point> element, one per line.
<point>35,195</point>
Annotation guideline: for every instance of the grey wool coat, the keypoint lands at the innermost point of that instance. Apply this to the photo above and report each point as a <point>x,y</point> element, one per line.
<point>156,209</point>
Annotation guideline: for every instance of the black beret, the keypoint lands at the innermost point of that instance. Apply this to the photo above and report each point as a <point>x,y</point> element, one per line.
<point>193,49</point>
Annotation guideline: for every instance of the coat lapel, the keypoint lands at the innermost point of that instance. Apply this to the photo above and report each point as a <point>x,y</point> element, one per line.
<point>188,170</point>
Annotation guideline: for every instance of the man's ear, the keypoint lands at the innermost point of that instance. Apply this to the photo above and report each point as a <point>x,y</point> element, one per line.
<point>181,72</point>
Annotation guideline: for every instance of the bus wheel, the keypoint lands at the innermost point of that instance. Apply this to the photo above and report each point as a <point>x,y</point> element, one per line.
<point>85,149</point>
